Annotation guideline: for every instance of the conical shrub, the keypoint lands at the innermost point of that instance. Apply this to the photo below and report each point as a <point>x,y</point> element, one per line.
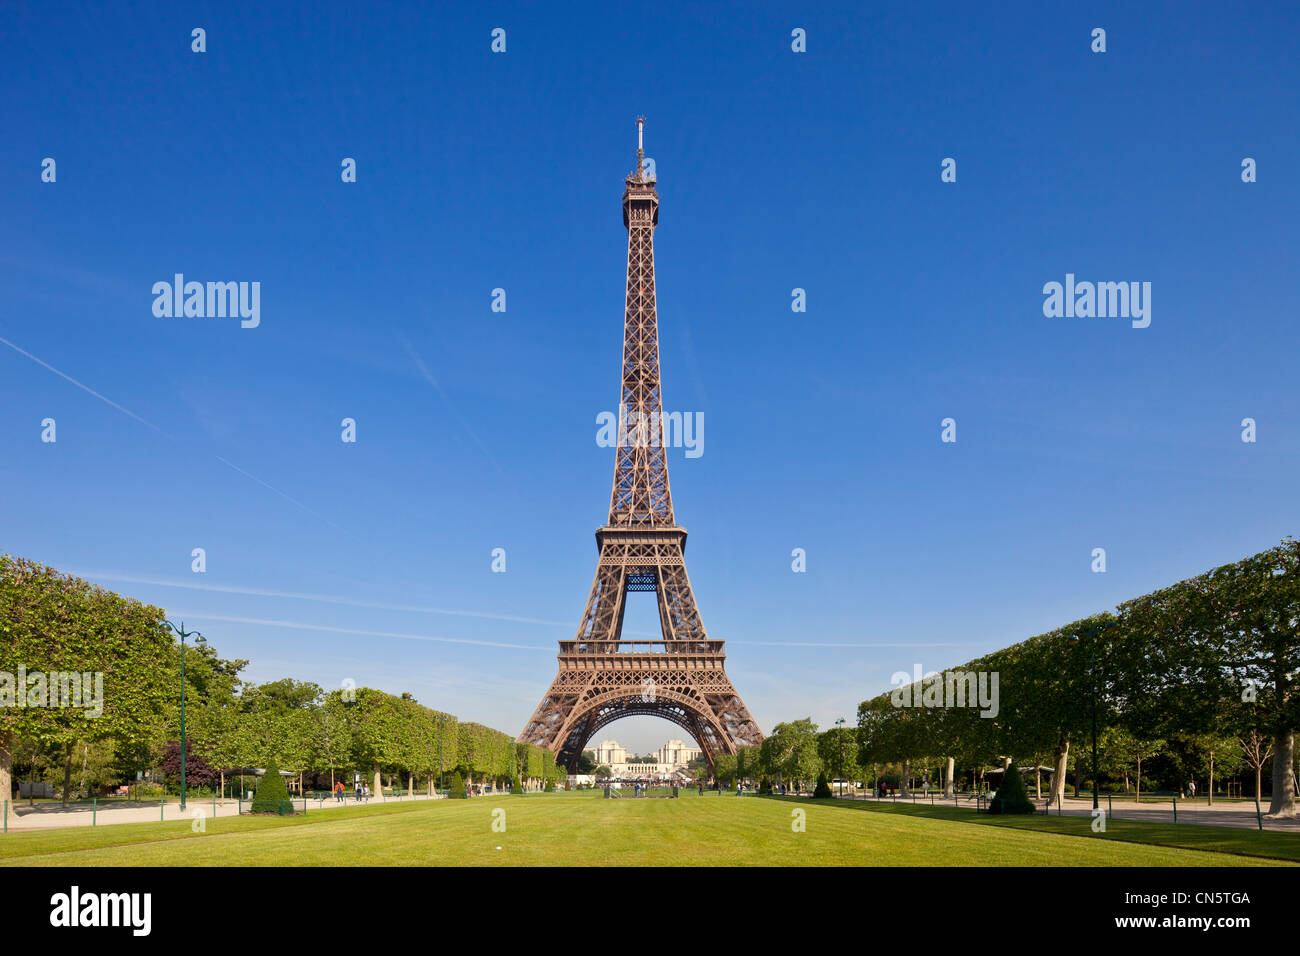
<point>823,788</point>
<point>271,791</point>
<point>1011,796</point>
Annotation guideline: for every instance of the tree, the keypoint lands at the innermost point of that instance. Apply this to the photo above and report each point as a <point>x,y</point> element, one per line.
<point>837,750</point>
<point>1011,796</point>
<point>198,773</point>
<point>271,792</point>
<point>1258,751</point>
<point>1220,652</point>
<point>111,652</point>
<point>823,791</point>
<point>795,750</point>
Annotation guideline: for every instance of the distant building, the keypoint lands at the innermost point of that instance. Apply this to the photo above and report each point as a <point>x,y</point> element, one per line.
<point>670,760</point>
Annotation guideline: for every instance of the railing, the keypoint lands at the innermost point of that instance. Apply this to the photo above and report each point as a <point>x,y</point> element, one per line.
<point>641,647</point>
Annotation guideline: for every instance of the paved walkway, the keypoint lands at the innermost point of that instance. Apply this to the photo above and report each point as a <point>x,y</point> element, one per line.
<point>1235,813</point>
<point>45,816</point>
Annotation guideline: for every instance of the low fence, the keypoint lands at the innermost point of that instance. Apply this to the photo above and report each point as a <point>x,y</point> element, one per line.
<point>284,808</point>
<point>641,793</point>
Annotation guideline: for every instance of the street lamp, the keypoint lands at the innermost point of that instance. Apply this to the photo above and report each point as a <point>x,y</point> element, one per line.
<point>839,732</point>
<point>198,639</point>
<point>1091,631</point>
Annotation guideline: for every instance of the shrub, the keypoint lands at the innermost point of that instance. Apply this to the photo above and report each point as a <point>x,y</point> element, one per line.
<point>823,789</point>
<point>457,788</point>
<point>550,786</point>
<point>271,791</point>
<point>516,786</point>
<point>765,785</point>
<point>1011,796</point>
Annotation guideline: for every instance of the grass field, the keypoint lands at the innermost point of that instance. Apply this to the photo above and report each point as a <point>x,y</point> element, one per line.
<point>582,829</point>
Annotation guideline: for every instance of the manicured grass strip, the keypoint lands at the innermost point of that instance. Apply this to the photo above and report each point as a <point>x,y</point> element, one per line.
<point>1241,841</point>
<point>17,844</point>
<point>579,830</point>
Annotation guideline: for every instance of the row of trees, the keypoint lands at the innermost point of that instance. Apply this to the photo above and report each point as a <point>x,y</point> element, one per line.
<point>794,754</point>
<point>52,622</point>
<point>1202,674</point>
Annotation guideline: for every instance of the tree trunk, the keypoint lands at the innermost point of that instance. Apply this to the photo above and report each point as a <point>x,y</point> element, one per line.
<point>379,785</point>
<point>906,777</point>
<point>411,788</point>
<point>67,771</point>
<point>6,765</point>
<point>1058,776</point>
<point>1259,782</point>
<point>1211,795</point>
<point>1283,804</point>
<point>1038,780</point>
<point>1062,757</point>
<point>1137,793</point>
<point>948,772</point>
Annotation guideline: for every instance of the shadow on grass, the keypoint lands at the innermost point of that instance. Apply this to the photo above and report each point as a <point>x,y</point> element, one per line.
<point>1236,841</point>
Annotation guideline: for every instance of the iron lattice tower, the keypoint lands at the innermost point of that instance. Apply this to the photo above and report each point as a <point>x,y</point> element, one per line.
<point>602,677</point>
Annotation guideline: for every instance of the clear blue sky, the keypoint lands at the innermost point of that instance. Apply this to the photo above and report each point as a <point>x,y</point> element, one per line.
<point>476,429</point>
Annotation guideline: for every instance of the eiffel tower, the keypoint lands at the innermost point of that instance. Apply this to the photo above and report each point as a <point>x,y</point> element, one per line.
<point>603,678</point>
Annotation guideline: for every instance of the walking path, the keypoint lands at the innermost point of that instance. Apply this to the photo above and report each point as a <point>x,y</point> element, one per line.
<point>45,816</point>
<point>1234,813</point>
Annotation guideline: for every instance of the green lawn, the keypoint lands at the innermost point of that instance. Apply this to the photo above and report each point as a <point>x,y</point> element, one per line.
<point>582,829</point>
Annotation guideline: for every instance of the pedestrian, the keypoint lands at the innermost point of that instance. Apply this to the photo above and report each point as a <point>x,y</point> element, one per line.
<point>1191,787</point>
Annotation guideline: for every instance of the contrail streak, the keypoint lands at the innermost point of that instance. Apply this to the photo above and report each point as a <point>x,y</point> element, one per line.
<point>126,411</point>
<point>85,388</point>
<point>300,626</point>
<point>322,598</point>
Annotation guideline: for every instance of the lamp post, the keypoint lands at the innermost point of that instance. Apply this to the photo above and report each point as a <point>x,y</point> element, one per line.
<point>1091,631</point>
<point>839,732</point>
<point>198,639</point>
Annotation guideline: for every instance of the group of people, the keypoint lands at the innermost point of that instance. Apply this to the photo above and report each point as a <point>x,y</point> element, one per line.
<point>363,791</point>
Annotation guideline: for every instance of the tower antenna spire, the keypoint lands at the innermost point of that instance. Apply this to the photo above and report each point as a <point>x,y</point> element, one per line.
<point>640,147</point>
